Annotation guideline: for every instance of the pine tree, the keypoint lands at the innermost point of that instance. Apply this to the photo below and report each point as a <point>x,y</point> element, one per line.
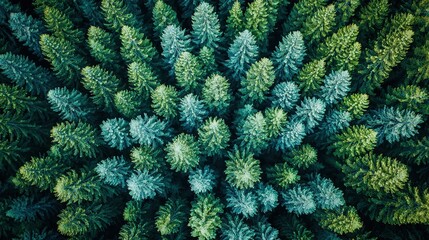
<point>300,12</point>
<point>163,15</point>
<point>206,27</point>
<point>63,57</point>
<point>234,228</point>
<point>410,97</point>
<point>372,15</point>
<point>80,139</point>
<point>72,105</point>
<point>204,219</point>
<point>117,14</point>
<point>285,95</point>
<point>188,72</point>
<point>326,195</point>
<point>91,11</point>
<point>267,197</point>
<point>393,124</point>
<point>291,136</point>
<point>14,126</point>
<point>146,185</point>
<point>259,78</point>
<point>375,175</point>
<point>25,73</point>
<point>417,66</point>
<point>253,135</point>
<point>192,112</point>
<point>299,200</point>
<point>115,133</point>
<point>142,79</point>
<point>264,231</point>
<point>102,84</point>
<point>282,175</point>
<point>135,47</point>
<point>311,76</point>
<point>113,171</point>
<point>242,202</point>
<point>183,153</point>
<point>310,112</point>
<point>216,94</point>
<point>174,41</point>
<point>319,25</point>
<point>335,87</point>
<point>235,20</point>
<point>103,47</point>
<point>171,216</point>
<point>242,169</point>
<point>202,180</point>
<point>242,53</point>
<point>335,121</point>
<point>165,101</point>
<point>289,55</point>
<point>256,20</point>
<point>345,220</point>
<point>214,136</point>
<point>30,209</point>
<point>276,119</point>
<point>356,104</point>
<point>27,30</point>
<point>292,228</point>
<point>14,98</point>
<point>149,131</point>
<point>207,60</point>
<point>128,103</point>
<point>303,156</point>
<point>416,151</point>
<point>188,7</point>
<point>61,27</point>
<point>146,158</point>
<point>345,9</point>
<point>354,141</point>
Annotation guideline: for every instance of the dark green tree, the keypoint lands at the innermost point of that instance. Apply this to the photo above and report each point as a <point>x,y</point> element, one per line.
<point>163,15</point>
<point>206,27</point>
<point>72,105</point>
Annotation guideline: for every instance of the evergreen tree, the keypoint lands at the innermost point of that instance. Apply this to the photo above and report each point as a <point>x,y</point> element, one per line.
<point>202,180</point>
<point>300,12</point>
<point>299,200</point>
<point>128,103</point>
<point>242,169</point>
<point>310,112</point>
<point>375,175</point>
<point>63,57</point>
<point>142,79</point>
<point>393,124</point>
<point>335,121</point>
<point>372,15</point>
<point>135,47</point>
<point>216,94</point>
<point>345,220</point>
<point>336,86</point>
<point>80,139</point>
<point>345,10</point>
<point>192,112</point>
<point>14,98</point>
<point>61,27</point>
<point>174,41</point>
<point>416,151</point>
<point>149,131</point>
<point>25,73</point>
<point>146,185</point>
<point>303,156</point>
<point>235,20</point>
<point>115,132</point>
<point>204,219</point>
<point>214,136</point>
<point>27,30</point>
<point>103,48</point>
<point>356,104</point>
<point>206,27</point>
<point>183,153</point>
<point>267,197</point>
<point>207,60</point>
<point>264,231</point>
<point>241,54</point>
<point>259,78</point>
<point>291,136</point>
<point>72,105</point>
<point>319,25</point>
<point>253,135</point>
<point>113,171</point>
<point>30,209</point>
<point>188,72</point>
<point>20,127</point>
<point>354,141</point>
<point>146,158</point>
<point>163,15</point>
<point>256,20</point>
<point>326,195</point>
<point>285,95</point>
<point>417,66</point>
<point>282,175</point>
<point>91,11</point>
<point>234,228</point>
<point>117,14</point>
<point>242,202</point>
<point>164,101</point>
<point>276,120</point>
<point>410,97</point>
<point>311,76</point>
<point>289,55</point>
<point>188,7</point>
<point>171,216</point>
<point>102,84</point>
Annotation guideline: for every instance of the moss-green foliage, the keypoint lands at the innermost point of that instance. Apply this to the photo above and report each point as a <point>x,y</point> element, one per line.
<point>204,119</point>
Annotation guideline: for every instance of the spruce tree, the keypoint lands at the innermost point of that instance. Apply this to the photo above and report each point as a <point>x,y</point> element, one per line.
<point>146,184</point>
<point>214,136</point>
<point>285,95</point>
<point>259,79</point>
<point>319,25</point>
<point>202,180</point>
<point>113,171</point>
<point>163,15</point>
<point>354,141</point>
<point>216,94</point>
<point>253,134</point>
<point>256,21</point>
<point>204,219</point>
<point>311,76</point>
<point>192,112</point>
<point>142,79</point>
<point>282,175</point>
<point>291,136</point>
<point>164,101</point>
<point>115,133</point>
<point>235,20</point>
<point>206,27</point>
<point>183,153</point>
<point>103,48</point>
<point>149,130</point>
<point>61,27</point>
<point>242,169</point>
<point>345,220</point>
<point>335,86</point>
<point>117,14</point>
<point>310,112</point>
<point>72,105</point>
<point>171,216</point>
<point>189,72</point>
<point>243,202</point>
<point>299,200</point>
<point>300,12</point>
<point>174,41</point>
<point>234,227</point>
<point>135,47</point>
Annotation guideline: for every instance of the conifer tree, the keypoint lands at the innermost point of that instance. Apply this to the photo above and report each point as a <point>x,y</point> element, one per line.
<point>142,79</point>
<point>163,15</point>
<point>354,141</point>
<point>146,184</point>
<point>164,101</point>
<point>242,202</point>
<point>188,7</point>
<point>345,10</point>
<point>216,94</point>
<point>30,209</point>
<point>14,98</point>
<point>102,84</point>
<point>282,175</point>
<point>311,76</point>
<point>102,47</point>
<point>256,20</point>
<point>291,136</point>
<point>300,12</point>
<point>289,55</point>
<point>356,104</point>
<point>25,73</point>
<point>61,27</point>
<point>135,47</point>
<point>319,25</point>
<point>115,132</point>
<point>234,228</point>
<point>72,105</point>
<point>63,57</point>
<point>188,72</point>
<point>183,153</point>
<point>214,136</point>
<point>117,14</point>
<point>192,112</point>
<point>128,103</point>
<point>149,130</point>
<point>267,197</point>
<point>335,86</point>
<point>410,97</point>
<point>241,54</point>
<point>235,20</point>
<point>253,135</point>
<point>417,66</point>
<point>372,15</point>
<point>310,112</point>
<point>303,156</point>
<point>335,121</point>
<point>202,180</point>
<point>242,169</point>
<point>171,216</point>
<point>204,219</point>
<point>15,126</point>
<point>80,139</point>
<point>146,158</point>
<point>113,171</point>
<point>299,200</point>
<point>91,11</point>
<point>259,78</point>
<point>264,231</point>
<point>276,119</point>
<point>174,41</point>
<point>206,27</point>
<point>416,151</point>
<point>345,220</point>
<point>285,95</point>
<point>27,30</point>
<point>326,195</point>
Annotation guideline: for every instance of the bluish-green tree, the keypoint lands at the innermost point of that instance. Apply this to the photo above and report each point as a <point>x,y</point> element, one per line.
<point>72,105</point>
<point>113,171</point>
<point>149,130</point>
<point>202,180</point>
<point>206,27</point>
<point>116,133</point>
<point>242,202</point>
<point>146,184</point>
<point>299,200</point>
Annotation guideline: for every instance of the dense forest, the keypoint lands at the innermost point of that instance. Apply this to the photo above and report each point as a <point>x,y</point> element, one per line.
<point>229,119</point>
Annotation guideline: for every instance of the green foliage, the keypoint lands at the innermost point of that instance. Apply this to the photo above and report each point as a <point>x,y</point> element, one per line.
<point>311,76</point>
<point>282,175</point>
<point>256,20</point>
<point>345,10</point>
<point>135,230</point>
<point>292,228</point>
<point>334,122</point>
<point>234,228</point>
<point>375,174</point>
<point>417,66</point>
<point>303,156</point>
<point>149,130</point>
<point>102,84</point>
<point>285,95</point>
<point>206,57</point>
<point>25,73</point>
<point>416,151</point>
<point>80,139</point>
<point>192,112</point>
<point>289,55</point>
<point>164,101</point>
<point>174,41</point>
<point>14,98</point>
<point>115,132</point>
<point>300,11</point>
<point>235,20</point>
<point>135,47</point>
<point>345,220</point>
<point>113,171</point>
<point>259,78</point>
<point>216,94</point>
<point>146,158</point>
<point>30,209</point>
<point>319,25</point>
<point>356,104</point>
<point>163,15</point>
<point>253,135</point>
<point>241,54</point>
<point>146,184</point>
<point>242,202</point>
<point>171,216</point>
<point>72,105</point>
<point>60,26</point>
<point>299,200</point>
<point>20,127</point>
<point>326,195</point>
<point>205,27</point>
<point>336,86</point>
<point>267,197</point>
<point>275,118</point>
<point>291,135</point>
<point>214,136</point>
<point>242,169</point>
<point>354,141</point>
<point>142,79</point>
<point>183,153</point>
<point>310,112</point>
<point>372,15</point>
<point>204,219</point>
<point>102,47</point>
<point>202,180</point>
<point>188,71</point>
<point>128,103</point>
<point>117,14</point>
<point>410,97</point>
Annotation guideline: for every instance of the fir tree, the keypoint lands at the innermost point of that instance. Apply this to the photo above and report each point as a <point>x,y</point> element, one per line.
<point>14,98</point>
<point>276,120</point>
<point>174,41</point>
<point>72,105</point>
<point>25,73</point>
<point>192,112</point>
<point>264,231</point>
<point>216,94</point>
<point>356,104</point>
<point>128,103</point>
<point>300,12</point>
<point>299,200</point>
<point>259,78</point>
<point>202,180</point>
<point>267,197</point>
<point>282,175</point>
<point>61,27</point>
<point>234,228</point>
<point>319,25</point>
<point>207,60</point>
<point>311,76</point>
<point>242,169</point>
<point>354,141</point>
<point>142,79</point>
<point>29,208</point>
<point>256,20</point>
<point>410,97</point>
<point>417,66</point>
<point>372,15</point>
<point>204,219</point>
<point>135,47</point>
<point>214,136</point>
<point>310,112</point>
<point>102,47</point>
<point>102,84</point>
<point>163,15</point>
<point>285,95</point>
<point>235,20</point>
<point>188,72</point>
<point>241,54</point>
<point>345,220</point>
<point>336,86</point>
<point>171,216</point>
<point>303,156</point>
<point>242,202</point>
<point>115,132</point>
<point>183,153</point>
<point>146,158</point>
<point>206,27</point>
<point>335,121</point>
<point>80,139</point>
<point>91,11</point>
<point>326,195</point>
<point>149,130</point>
<point>416,151</point>
<point>164,101</point>
<point>20,127</point>
<point>345,10</point>
<point>118,14</point>
<point>146,185</point>
<point>291,136</point>
<point>289,55</point>
<point>113,171</point>
<point>253,135</point>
